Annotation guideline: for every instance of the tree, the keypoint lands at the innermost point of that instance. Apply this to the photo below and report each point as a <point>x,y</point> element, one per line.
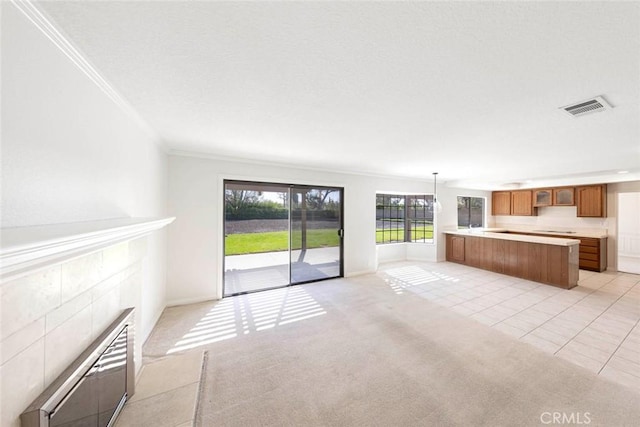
<point>284,196</point>
<point>317,198</point>
<point>240,199</point>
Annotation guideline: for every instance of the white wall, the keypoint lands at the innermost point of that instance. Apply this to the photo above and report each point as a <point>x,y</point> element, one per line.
<point>69,153</point>
<point>195,199</point>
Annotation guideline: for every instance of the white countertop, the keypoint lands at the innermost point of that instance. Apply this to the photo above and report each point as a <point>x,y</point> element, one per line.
<point>500,233</point>
<point>595,234</point>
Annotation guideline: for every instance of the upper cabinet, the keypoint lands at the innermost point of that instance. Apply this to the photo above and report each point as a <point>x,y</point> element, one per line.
<point>501,203</point>
<point>592,200</point>
<point>542,197</point>
<point>522,203</point>
<point>563,196</point>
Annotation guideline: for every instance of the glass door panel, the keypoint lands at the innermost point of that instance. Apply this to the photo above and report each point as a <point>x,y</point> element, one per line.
<point>256,237</point>
<point>316,233</point>
<point>278,235</point>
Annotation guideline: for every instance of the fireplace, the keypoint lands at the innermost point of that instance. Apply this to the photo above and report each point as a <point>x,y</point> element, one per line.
<point>94,388</point>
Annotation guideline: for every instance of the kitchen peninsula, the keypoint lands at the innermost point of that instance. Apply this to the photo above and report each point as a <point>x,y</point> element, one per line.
<point>549,260</point>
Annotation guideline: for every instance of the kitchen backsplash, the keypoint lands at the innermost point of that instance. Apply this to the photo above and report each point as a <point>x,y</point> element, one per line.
<point>560,217</point>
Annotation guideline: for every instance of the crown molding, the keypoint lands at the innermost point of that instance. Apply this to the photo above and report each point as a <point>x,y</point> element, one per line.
<point>210,156</point>
<point>40,19</point>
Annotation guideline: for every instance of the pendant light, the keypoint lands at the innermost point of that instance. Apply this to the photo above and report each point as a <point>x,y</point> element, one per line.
<point>436,204</point>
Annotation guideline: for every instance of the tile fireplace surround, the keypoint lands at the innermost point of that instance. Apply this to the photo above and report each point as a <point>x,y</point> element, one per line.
<point>61,287</point>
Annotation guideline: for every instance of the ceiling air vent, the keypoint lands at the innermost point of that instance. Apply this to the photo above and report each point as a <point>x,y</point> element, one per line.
<point>585,107</point>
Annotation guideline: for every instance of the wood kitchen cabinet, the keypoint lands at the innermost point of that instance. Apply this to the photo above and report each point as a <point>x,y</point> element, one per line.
<point>522,203</point>
<point>501,203</point>
<point>592,251</point>
<point>593,254</point>
<point>542,197</point>
<point>563,196</point>
<point>552,264</point>
<point>592,200</point>
<point>456,245</point>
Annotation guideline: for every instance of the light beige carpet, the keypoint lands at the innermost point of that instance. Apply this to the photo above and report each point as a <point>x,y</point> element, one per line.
<point>375,358</point>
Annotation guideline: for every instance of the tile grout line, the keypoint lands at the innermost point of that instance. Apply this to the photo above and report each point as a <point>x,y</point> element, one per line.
<point>160,393</point>
<point>597,317</point>
<point>524,291</point>
<point>527,307</point>
<point>572,305</point>
<point>556,315</point>
<point>619,345</point>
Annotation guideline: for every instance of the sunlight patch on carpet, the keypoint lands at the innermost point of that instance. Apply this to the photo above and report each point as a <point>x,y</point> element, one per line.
<point>244,314</point>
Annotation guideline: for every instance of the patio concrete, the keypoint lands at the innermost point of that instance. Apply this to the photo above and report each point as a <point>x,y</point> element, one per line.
<point>252,272</point>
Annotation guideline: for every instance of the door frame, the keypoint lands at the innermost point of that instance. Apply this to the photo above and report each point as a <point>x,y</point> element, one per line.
<point>285,184</point>
<point>341,231</point>
<point>631,241</point>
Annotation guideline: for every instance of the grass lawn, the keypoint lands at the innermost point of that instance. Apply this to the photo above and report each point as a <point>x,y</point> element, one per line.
<point>274,241</point>
<point>398,234</point>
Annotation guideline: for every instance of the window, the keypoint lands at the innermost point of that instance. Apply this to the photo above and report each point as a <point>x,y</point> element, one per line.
<point>389,218</point>
<point>402,218</point>
<point>470,212</point>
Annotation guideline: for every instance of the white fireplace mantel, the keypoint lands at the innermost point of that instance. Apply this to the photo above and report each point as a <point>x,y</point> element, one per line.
<point>25,249</point>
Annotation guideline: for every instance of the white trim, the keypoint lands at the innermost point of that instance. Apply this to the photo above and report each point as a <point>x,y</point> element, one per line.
<point>25,249</point>
<point>358,273</point>
<point>44,24</point>
<point>194,300</point>
<point>231,159</point>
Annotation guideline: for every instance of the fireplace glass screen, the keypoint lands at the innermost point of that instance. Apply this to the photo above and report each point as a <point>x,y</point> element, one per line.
<point>99,395</point>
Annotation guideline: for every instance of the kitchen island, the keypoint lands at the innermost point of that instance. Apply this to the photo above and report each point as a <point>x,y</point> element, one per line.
<point>548,260</point>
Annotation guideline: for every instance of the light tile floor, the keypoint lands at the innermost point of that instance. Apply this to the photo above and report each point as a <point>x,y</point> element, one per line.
<point>166,393</point>
<point>594,325</point>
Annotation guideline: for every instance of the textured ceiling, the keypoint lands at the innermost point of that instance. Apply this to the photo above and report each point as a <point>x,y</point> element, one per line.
<point>470,90</point>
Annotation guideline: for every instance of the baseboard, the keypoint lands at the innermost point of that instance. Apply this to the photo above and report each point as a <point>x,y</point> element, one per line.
<point>359,273</point>
<point>195,300</point>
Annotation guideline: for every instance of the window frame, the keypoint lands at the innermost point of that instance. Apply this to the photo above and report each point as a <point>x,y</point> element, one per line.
<point>484,212</point>
<point>414,218</point>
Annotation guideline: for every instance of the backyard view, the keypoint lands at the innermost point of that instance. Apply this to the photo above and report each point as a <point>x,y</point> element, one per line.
<point>404,218</point>
<point>273,241</point>
<point>470,212</point>
<point>396,233</point>
<point>255,222</point>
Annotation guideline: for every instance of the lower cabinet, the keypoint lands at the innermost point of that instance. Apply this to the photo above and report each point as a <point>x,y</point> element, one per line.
<point>551,264</point>
<point>457,248</point>
<point>593,254</point>
<point>592,251</point>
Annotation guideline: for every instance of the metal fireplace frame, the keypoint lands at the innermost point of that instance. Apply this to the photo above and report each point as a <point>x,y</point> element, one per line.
<point>38,413</point>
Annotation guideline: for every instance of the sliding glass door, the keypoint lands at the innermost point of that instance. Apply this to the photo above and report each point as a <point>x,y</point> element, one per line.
<point>278,235</point>
<point>316,233</point>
